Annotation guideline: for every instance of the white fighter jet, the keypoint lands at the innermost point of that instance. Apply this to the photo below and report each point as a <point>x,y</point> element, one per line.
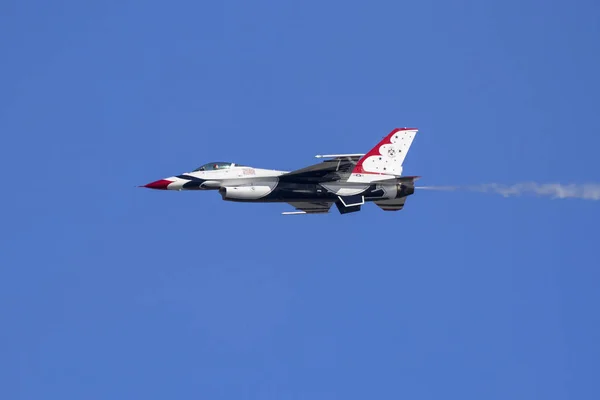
<point>346,180</point>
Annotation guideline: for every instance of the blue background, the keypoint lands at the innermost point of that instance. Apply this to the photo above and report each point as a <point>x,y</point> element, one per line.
<point>111,291</point>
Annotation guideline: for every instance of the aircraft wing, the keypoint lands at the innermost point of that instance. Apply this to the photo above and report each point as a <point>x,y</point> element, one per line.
<point>321,207</point>
<point>328,170</point>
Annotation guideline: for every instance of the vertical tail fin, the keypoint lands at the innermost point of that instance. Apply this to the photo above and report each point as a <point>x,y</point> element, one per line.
<point>387,157</point>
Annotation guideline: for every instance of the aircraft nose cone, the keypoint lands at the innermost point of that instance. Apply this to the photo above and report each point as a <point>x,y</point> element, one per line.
<point>160,184</point>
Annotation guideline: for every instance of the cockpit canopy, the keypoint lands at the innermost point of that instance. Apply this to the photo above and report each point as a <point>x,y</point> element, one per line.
<point>212,166</point>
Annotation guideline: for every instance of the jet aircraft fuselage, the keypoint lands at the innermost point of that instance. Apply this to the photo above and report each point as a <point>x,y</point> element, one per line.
<point>346,180</point>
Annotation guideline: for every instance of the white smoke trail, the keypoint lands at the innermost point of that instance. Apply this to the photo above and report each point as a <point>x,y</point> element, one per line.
<point>586,191</point>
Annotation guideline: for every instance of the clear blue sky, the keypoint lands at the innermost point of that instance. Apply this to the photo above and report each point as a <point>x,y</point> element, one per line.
<point>113,292</point>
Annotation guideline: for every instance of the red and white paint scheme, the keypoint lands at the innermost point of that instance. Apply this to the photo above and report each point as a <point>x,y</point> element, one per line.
<point>213,175</point>
<point>346,180</point>
<point>384,160</point>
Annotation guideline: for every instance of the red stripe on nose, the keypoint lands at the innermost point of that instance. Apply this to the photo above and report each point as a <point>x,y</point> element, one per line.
<point>161,184</point>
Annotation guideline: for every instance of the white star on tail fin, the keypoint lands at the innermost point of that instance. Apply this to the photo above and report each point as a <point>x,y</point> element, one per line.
<point>386,158</point>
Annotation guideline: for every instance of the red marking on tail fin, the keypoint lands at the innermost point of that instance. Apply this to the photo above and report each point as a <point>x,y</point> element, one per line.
<point>358,168</point>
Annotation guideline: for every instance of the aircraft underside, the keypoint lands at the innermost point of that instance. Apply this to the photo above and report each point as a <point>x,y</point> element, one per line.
<point>317,198</point>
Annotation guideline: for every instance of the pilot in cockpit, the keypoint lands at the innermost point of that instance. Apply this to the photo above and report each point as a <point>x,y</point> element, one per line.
<point>215,166</point>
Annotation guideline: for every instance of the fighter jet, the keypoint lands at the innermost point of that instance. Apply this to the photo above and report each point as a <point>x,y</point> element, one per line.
<point>346,180</point>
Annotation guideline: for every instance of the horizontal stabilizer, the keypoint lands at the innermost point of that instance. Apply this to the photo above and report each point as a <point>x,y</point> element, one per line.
<point>392,204</point>
<point>400,179</point>
<point>408,178</point>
